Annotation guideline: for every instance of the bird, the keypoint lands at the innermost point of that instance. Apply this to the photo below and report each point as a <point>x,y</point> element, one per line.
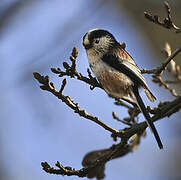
<point>117,71</point>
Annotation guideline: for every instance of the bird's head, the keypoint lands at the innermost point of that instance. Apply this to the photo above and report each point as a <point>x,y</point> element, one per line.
<point>98,41</point>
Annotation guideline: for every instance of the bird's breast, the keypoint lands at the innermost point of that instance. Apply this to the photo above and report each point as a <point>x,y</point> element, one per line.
<point>114,82</point>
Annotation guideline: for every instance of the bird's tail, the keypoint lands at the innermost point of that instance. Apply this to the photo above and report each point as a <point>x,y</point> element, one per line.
<point>147,116</point>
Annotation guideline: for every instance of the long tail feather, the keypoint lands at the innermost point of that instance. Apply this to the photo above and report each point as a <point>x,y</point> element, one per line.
<point>147,116</point>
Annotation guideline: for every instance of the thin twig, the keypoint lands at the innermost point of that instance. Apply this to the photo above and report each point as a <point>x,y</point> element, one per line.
<point>167,22</point>
<point>158,79</point>
<point>71,71</point>
<point>120,120</point>
<point>70,102</point>
<point>157,71</point>
<point>94,162</point>
<point>172,67</point>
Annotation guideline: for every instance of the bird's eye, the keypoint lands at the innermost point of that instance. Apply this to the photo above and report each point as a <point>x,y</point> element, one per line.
<point>96,41</point>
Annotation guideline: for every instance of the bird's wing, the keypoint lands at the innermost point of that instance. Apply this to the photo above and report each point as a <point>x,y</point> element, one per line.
<point>123,63</point>
<point>126,67</point>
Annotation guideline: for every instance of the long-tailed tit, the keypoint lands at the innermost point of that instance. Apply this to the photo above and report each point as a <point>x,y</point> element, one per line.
<point>116,70</point>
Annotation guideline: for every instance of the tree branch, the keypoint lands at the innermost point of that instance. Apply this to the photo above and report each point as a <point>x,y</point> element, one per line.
<point>49,86</point>
<point>157,71</point>
<point>163,110</point>
<point>94,162</point>
<point>167,22</point>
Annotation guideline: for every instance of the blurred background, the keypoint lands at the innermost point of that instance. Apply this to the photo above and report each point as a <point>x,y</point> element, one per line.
<point>36,126</point>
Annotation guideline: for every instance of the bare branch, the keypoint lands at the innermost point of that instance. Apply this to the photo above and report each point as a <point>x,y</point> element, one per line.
<point>163,110</point>
<point>119,102</point>
<point>120,120</point>
<point>94,162</point>
<point>160,69</point>
<point>71,71</point>
<point>172,67</point>
<point>161,82</point>
<point>70,102</point>
<point>167,22</point>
